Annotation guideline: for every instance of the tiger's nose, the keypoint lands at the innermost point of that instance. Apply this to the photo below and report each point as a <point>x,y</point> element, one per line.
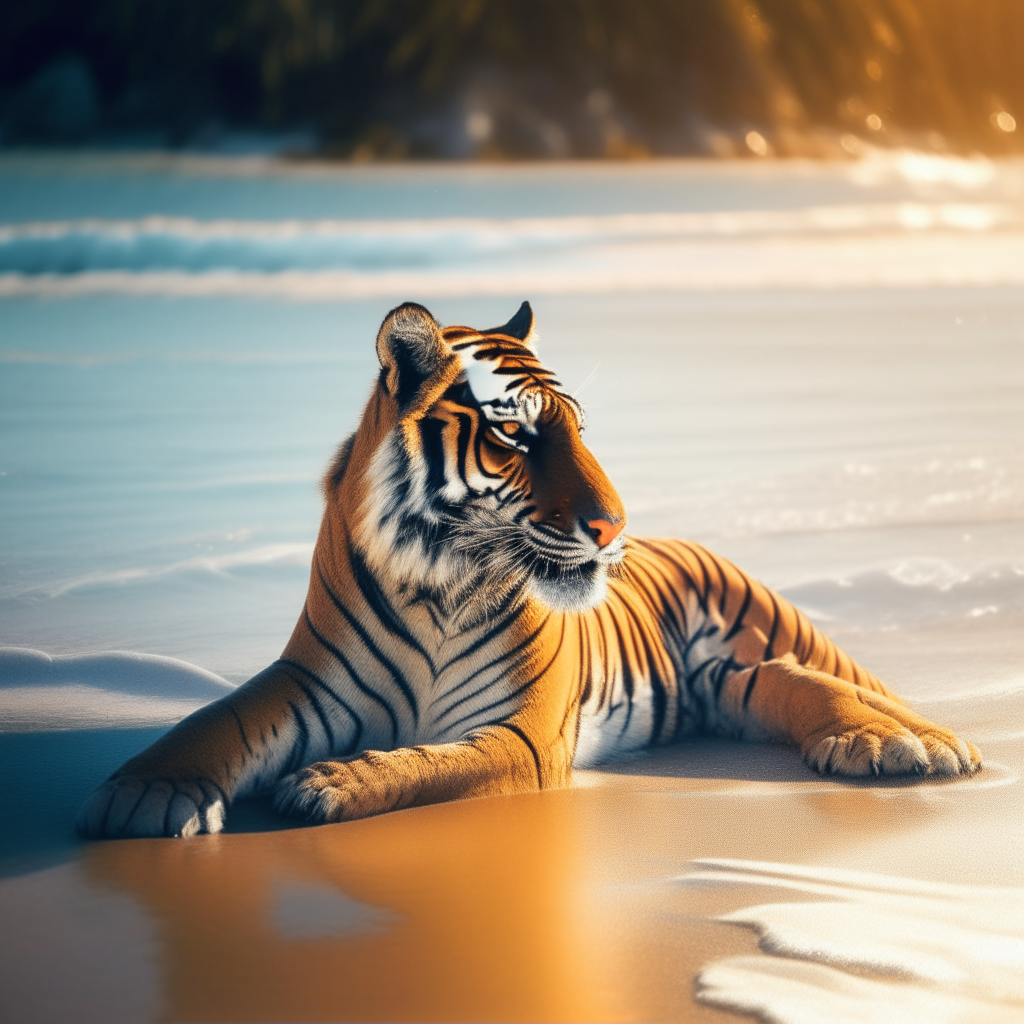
<point>602,531</point>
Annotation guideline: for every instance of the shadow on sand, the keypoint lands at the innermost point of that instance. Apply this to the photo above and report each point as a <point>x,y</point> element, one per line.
<point>48,775</point>
<point>711,758</point>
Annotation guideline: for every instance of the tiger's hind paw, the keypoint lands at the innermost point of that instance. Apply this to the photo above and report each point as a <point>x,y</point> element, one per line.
<point>131,807</point>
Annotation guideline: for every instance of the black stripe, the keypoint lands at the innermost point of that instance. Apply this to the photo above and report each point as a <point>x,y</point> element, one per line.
<point>327,688</point>
<point>738,624</point>
<point>707,578</point>
<point>514,693</point>
<point>708,629</point>
<point>512,601</point>
<point>505,656</point>
<point>586,675</point>
<point>680,598</point>
<point>167,811</point>
<point>431,431</point>
<point>628,678</point>
<point>529,743</point>
<point>691,677</point>
<point>339,466</point>
<point>659,698</point>
<point>241,729</point>
<point>750,687</point>
<point>670,602</point>
<point>462,445</point>
<point>700,668</point>
<point>317,710</point>
<point>769,651</point>
<point>135,807</point>
<point>701,600</point>
<point>372,694</point>
<point>478,443</point>
<point>725,585</point>
<point>489,707</point>
<point>298,760</point>
<point>393,669</point>
<point>726,666</point>
<point>380,606</point>
<point>427,601</point>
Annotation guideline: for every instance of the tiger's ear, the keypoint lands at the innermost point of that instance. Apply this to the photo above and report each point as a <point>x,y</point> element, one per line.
<point>410,349</point>
<point>521,326</point>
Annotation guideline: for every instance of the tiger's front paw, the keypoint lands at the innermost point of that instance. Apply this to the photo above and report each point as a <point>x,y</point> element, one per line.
<point>319,794</point>
<point>130,807</point>
<point>885,747</point>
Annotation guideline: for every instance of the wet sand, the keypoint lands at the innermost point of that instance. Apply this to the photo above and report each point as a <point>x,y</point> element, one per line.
<point>564,905</point>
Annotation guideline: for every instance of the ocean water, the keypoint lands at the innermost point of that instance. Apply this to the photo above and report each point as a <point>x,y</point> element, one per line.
<point>815,369</point>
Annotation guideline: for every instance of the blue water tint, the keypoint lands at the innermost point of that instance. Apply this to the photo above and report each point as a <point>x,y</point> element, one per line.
<point>39,802</point>
<point>39,189</point>
<point>140,435</point>
<point>160,456</point>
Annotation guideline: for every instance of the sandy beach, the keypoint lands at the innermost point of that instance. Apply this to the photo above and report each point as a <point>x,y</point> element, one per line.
<point>837,405</point>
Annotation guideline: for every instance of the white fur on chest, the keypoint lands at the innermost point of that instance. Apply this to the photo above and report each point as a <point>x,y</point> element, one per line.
<point>613,723</point>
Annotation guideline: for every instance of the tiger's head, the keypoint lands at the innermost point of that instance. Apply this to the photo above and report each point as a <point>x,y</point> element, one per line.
<point>468,471</point>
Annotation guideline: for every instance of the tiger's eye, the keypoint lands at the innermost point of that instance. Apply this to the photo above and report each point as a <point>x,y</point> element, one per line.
<point>510,428</point>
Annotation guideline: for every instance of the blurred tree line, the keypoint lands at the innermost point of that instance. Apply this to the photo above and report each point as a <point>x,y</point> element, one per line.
<point>516,78</point>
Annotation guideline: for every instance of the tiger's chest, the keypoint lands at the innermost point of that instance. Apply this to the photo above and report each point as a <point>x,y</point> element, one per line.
<point>647,681</point>
<point>639,679</point>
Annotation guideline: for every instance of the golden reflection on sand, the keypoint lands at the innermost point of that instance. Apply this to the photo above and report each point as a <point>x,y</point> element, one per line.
<point>503,909</point>
<point>484,919</point>
<point>555,906</point>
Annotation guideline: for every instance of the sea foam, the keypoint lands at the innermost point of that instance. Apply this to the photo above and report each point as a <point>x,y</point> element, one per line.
<point>920,950</point>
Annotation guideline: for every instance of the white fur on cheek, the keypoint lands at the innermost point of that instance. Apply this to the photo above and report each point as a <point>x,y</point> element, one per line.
<point>376,532</point>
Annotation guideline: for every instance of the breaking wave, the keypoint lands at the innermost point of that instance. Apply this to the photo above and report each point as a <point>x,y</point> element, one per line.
<point>900,244</point>
<point>184,243</point>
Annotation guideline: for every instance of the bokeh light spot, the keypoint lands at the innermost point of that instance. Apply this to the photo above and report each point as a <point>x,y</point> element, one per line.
<point>757,143</point>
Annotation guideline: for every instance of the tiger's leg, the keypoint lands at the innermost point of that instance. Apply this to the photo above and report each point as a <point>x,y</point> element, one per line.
<point>183,783</point>
<point>840,728</point>
<point>493,760</point>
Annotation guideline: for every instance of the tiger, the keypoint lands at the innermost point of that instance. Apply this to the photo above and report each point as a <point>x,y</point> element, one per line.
<point>478,622</point>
